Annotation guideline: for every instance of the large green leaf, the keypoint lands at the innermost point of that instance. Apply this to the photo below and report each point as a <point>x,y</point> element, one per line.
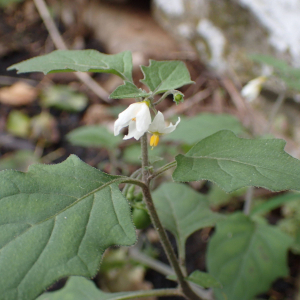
<point>79,288</point>
<point>93,136</point>
<point>183,211</point>
<point>128,90</point>
<point>79,60</point>
<point>192,130</point>
<point>56,221</point>
<point>161,76</point>
<point>233,163</point>
<point>246,257</point>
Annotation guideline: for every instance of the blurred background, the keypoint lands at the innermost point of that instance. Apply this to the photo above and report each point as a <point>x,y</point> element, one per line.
<point>224,43</point>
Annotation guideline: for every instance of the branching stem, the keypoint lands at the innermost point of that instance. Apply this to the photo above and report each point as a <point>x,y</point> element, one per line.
<point>164,96</point>
<point>186,289</point>
<point>163,169</point>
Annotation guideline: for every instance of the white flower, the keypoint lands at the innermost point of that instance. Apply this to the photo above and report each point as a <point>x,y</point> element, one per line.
<point>158,127</point>
<point>137,117</point>
<point>252,89</point>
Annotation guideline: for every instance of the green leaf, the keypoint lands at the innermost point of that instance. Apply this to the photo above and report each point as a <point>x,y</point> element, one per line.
<point>64,97</point>
<point>57,221</point>
<point>203,279</point>
<point>79,60</point>
<point>206,124</point>
<point>275,202</point>
<point>93,136</point>
<point>233,163</point>
<point>246,257</point>
<point>183,211</point>
<point>79,288</point>
<point>162,76</point>
<point>128,90</point>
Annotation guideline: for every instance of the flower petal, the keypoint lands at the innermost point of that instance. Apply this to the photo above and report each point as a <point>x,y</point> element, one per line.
<point>171,127</point>
<point>252,89</point>
<point>126,116</point>
<point>131,130</point>
<point>158,123</point>
<point>143,118</point>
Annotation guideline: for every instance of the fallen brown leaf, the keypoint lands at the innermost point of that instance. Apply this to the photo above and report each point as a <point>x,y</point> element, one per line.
<point>18,94</point>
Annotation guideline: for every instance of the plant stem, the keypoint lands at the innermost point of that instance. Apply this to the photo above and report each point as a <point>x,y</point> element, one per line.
<point>248,200</point>
<point>154,264</point>
<point>145,160</point>
<point>186,289</point>
<point>135,174</point>
<point>163,169</point>
<point>152,293</point>
<point>164,269</point>
<point>164,96</point>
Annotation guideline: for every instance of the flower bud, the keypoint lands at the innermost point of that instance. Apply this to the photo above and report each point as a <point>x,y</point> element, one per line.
<point>178,98</point>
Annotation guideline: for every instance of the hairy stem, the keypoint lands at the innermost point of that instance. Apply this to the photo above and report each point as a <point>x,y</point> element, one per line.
<point>145,160</point>
<point>186,289</point>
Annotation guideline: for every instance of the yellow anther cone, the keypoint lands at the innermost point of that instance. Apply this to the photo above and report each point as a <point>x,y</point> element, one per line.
<point>154,140</point>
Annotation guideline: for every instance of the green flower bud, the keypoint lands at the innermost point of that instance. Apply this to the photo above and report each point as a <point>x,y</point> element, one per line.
<point>178,98</point>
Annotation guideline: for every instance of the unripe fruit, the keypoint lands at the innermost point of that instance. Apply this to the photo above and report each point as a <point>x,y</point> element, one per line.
<point>178,97</point>
<point>141,218</point>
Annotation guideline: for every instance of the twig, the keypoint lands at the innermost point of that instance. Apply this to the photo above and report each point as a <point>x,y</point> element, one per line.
<point>60,44</point>
<point>235,96</point>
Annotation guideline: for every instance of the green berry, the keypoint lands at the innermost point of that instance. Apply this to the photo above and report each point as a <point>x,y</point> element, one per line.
<point>141,218</point>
